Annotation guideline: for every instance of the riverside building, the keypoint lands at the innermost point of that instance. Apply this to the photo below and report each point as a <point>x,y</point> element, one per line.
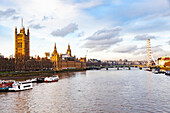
<point>66,61</point>
<point>164,61</point>
<point>24,62</point>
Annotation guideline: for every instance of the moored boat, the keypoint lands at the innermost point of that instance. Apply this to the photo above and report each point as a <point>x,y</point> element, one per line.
<point>155,71</point>
<point>54,78</point>
<point>167,73</point>
<point>34,80</point>
<point>147,69</point>
<point>5,84</point>
<point>20,86</point>
<point>40,80</point>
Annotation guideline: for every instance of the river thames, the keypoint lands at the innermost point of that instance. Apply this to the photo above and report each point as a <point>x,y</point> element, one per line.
<point>94,91</point>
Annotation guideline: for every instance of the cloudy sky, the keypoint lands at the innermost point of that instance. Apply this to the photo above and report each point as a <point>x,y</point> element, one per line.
<point>102,29</point>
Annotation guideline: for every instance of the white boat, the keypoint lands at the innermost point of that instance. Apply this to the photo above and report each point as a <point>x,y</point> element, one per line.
<point>155,71</point>
<point>5,84</point>
<point>33,80</point>
<point>167,73</point>
<point>20,86</point>
<point>51,79</point>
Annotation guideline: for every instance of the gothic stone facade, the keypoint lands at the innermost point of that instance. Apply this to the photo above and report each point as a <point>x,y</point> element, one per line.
<point>23,61</point>
<point>66,61</point>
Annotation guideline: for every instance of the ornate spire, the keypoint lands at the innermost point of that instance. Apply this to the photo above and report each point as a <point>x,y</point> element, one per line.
<point>55,47</point>
<point>15,29</point>
<point>68,45</point>
<point>69,50</point>
<point>28,31</point>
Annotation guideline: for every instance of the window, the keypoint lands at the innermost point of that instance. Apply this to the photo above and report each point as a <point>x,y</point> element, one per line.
<point>19,45</point>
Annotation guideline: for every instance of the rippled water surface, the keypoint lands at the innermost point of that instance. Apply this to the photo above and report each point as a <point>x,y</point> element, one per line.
<point>94,91</point>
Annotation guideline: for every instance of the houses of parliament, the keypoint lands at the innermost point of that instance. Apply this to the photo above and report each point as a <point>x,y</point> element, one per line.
<point>23,61</point>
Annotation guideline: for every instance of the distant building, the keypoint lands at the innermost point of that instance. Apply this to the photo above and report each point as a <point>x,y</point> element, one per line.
<point>1,56</point>
<point>93,62</point>
<point>66,61</point>
<point>22,44</point>
<point>121,62</point>
<point>23,61</point>
<point>69,50</point>
<point>163,61</point>
<point>22,54</point>
<point>7,64</point>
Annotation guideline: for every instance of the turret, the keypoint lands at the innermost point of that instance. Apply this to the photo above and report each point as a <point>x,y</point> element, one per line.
<point>68,46</point>
<point>22,43</point>
<point>38,58</point>
<point>61,55</point>
<point>55,49</point>
<point>47,54</point>
<point>69,50</point>
<point>22,30</point>
<point>28,31</point>
<point>16,30</point>
<point>16,43</point>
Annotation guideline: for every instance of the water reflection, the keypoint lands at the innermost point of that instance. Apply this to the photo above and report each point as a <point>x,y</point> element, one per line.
<point>149,82</point>
<point>71,74</point>
<point>94,91</point>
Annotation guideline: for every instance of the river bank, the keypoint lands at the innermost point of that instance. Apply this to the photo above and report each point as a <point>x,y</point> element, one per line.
<point>23,75</point>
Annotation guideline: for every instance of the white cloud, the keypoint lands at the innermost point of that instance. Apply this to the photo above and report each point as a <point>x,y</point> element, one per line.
<point>156,51</point>
<point>146,7</point>
<point>125,49</point>
<point>169,42</point>
<point>36,26</point>
<point>7,13</point>
<point>144,37</point>
<point>90,4</point>
<point>16,17</point>
<point>143,17</point>
<point>103,39</point>
<point>66,30</point>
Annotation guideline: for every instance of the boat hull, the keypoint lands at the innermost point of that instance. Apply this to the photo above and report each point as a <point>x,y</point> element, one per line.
<point>20,86</point>
<point>40,80</point>
<point>167,73</point>
<point>15,90</point>
<point>51,79</point>
<point>5,85</point>
<point>3,89</point>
